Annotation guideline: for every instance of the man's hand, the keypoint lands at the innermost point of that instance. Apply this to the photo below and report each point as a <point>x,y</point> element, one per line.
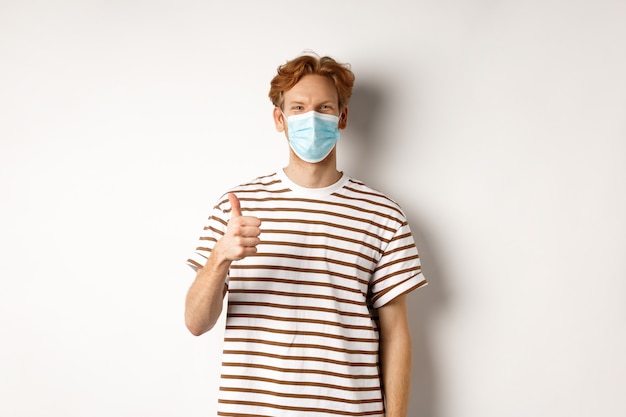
<point>242,233</point>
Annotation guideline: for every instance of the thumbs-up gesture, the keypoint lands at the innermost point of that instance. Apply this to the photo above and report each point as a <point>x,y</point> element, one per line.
<point>242,233</point>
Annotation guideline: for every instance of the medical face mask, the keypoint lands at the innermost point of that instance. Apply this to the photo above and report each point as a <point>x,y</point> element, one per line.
<point>312,135</point>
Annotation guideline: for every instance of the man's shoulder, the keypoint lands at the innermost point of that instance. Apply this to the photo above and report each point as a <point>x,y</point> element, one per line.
<point>359,187</point>
<point>264,183</point>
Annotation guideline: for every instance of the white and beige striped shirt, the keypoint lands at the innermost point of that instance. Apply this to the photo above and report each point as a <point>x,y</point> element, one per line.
<point>301,334</point>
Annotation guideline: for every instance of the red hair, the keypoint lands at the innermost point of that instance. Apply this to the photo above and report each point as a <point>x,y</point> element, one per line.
<point>291,72</point>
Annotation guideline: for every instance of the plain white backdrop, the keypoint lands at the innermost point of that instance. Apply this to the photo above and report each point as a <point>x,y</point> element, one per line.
<point>499,127</point>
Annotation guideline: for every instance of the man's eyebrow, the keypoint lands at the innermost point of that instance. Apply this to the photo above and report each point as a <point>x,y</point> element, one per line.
<point>302,102</point>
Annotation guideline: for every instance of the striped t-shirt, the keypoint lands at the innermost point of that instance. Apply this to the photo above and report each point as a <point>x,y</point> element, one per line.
<point>301,335</point>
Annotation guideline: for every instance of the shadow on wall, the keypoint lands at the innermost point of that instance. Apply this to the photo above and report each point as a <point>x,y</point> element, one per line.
<point>362,136</point>
<point>423,304</point>
<point>367,136</point>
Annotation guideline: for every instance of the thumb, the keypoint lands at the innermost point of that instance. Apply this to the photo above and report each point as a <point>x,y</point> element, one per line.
<point>234,203</point>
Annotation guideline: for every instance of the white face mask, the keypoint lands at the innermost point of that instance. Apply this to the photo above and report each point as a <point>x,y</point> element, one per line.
<point>312,135</point>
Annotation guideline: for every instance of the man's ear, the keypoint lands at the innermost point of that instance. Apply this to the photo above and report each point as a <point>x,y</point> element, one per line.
<point>343,118</point>
<point>279,120</point>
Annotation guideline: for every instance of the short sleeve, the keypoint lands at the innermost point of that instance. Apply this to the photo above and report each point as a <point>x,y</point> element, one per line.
<point>211,233</point>
<point>399,270</point>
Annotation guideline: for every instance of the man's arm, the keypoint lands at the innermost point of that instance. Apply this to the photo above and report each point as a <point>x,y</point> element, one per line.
<point>395,356</point>
<point>203,304</point>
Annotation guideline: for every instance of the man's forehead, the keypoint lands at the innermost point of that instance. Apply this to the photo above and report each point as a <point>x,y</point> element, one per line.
<point>314,83</point>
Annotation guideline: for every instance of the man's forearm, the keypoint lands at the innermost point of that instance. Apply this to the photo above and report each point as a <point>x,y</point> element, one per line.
<point>396,369</point>
<point>204,301</point>
<point>395,356</point>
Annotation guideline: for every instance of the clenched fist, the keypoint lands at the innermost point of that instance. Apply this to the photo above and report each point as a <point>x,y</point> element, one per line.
<point>242,233</point>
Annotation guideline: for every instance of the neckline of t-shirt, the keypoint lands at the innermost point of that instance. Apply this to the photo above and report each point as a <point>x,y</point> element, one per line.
<point>312,192</point>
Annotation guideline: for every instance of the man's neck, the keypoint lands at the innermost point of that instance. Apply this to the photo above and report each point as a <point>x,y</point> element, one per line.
<point>320,175</point>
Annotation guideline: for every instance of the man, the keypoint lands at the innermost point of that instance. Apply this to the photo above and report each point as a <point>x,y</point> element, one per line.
<point>317,267</point>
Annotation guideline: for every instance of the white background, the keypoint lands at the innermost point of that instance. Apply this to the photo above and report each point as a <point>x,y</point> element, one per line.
<point>499,126</point>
